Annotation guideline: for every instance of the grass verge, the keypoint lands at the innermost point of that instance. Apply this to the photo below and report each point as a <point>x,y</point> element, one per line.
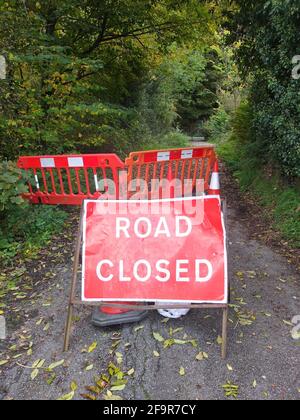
<point>280,199</point>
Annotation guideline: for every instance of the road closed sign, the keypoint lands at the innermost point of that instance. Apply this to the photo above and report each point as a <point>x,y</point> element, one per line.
<point>155,251</point>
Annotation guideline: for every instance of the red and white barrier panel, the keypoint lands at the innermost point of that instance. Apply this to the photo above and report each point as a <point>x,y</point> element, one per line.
<point>169,155</point>
<point>70,161</point>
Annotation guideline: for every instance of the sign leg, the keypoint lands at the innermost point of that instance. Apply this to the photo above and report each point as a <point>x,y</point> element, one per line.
<point>224,333</point>
<point>73,286</point>
<point>68,327</point>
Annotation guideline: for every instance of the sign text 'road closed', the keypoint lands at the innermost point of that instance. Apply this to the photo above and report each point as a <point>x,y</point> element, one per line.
<point>167,254</point>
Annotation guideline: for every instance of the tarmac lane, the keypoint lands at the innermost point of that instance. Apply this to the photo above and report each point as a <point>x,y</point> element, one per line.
<point>175,359</point>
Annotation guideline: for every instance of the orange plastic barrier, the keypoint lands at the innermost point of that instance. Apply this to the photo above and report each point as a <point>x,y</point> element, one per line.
<point>70,179</point>
<point>187,163</point>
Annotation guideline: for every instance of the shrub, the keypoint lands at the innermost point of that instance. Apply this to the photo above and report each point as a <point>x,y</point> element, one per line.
<point>266,36</point>
<point>217,126</point>
<point>12,185</point>
<point>38,224</point>
<point>22,227</point>
<point>172,140</point>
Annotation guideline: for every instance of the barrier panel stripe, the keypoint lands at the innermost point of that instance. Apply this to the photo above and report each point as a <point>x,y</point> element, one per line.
<point>70,161</point>
<point>167,155</point>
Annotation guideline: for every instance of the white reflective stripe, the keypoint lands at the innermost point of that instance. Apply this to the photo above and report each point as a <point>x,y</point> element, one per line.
<point>37,182</point>
<point>187,154</point>
<point>163,156</point>
<point>75,162</point>
<point>96,182</point>
<point>47,163</point>
<point>215,181</point>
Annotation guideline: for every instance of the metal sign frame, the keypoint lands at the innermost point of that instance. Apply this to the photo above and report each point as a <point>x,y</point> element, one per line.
<point>75,301</point>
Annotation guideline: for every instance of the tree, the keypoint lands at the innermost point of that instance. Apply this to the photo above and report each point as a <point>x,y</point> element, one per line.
<point>76,68</point>
<point>267,36</point>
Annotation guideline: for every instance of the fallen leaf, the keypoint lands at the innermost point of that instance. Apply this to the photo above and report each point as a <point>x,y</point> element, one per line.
<point>177,330</point>
<point>295,334</point>
<point>182,371</point>
<point>35,364</point>
<point>56,365</point>
<point>158,337</point>
<point>156,354</point>
<point>168,343</point>
<point>17,356</point>
<point>231,390</point>
<point>141,327</point>
<point>202,356</point>
<point>110,396</point>
<point>180,342</point>
<point>34,374</point>
<point>118,388</point>
<point>119,358</point>
<point>130,372</point>
<point>90,367</point>
<point>92,347</point>
<point>74,386</point>
<point>95,389</point>
<point>46,328</point>
<point>220,340</point>
<point>67,397</point>
<point>40,364</point>
<point>89,397</point>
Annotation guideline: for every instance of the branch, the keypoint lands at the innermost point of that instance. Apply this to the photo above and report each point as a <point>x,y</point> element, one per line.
<point>100,37</point>
<point>79,77</point>
<point>137,32</point>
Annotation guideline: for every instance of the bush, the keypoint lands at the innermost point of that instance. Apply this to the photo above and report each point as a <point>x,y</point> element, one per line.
<point>281,200</point>
<point>12,185</point>
<point>217,126</point>
<point>27,228</point>
<point>172,140</point>
<point>266,34</point>
<point>23,228</point>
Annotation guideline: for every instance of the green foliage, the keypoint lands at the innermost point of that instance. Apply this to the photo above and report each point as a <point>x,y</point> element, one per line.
<point>95,76</point>
<point>217,126</point>
<point>76,71</point>
<point>280,200</point>
<point>12,185</point>
<point>173,139</point>
<point>198,85</point>
<point>23,228</point>
<point>38,224</point>
<point>267,35</point>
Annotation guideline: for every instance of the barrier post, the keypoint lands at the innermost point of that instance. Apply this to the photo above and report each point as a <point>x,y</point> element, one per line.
<point>73,283</point>
<point>224,333</point>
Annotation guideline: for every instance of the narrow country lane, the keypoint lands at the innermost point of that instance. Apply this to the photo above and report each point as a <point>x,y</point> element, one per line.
<point>263,359</point>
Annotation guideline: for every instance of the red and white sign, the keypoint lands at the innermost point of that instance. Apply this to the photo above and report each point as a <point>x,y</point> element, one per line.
<point>155,251</point>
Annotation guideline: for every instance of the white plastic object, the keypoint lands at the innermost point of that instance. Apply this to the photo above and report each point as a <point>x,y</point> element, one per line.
<point>173,313</point>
